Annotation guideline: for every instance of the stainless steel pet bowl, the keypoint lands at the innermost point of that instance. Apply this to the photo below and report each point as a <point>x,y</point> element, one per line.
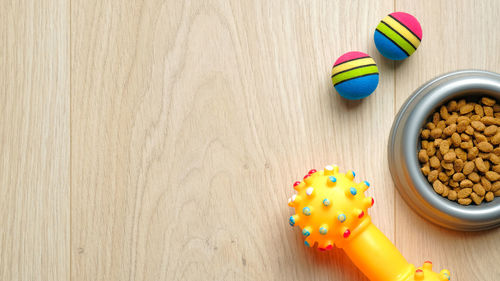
<point>403,145</point>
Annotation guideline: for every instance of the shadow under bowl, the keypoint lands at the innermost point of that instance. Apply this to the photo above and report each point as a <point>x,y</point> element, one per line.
<point>404,144</point>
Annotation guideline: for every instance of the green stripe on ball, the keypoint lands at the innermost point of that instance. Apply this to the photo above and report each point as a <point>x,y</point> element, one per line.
<point>354,73</point>
<point>396,38</point>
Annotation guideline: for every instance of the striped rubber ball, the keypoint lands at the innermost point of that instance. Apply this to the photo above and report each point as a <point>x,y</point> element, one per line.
<point>355,75</point>
<point>398,36</point>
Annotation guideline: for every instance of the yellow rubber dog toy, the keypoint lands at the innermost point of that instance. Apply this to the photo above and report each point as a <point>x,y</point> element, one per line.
<point>331,209</point>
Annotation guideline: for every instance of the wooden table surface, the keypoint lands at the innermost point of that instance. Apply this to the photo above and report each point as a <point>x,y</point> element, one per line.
<point>159,140</point>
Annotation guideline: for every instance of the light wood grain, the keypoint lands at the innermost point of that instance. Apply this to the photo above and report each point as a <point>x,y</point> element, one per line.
<point>159,140</point>
<point>193,119</point>
<point>457,35</point>
<point>34,140</point>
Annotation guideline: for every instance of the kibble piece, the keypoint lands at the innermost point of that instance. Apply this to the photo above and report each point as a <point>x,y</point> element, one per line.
<point>443,177</point>
<point>496,168</point>
<point>458,177</point>
<point>469,130</point>
<point>422,156</point>
<point>476,198</point>
<point>489,196</point>
<point>496,151</point>
<point>450,172</point>
<point>455,139</point>
<point>494,158</point>
<point>495,186</point>
<point>438,186</point>
<point>485,183</point>
<point>495,139</point>
<point>437,142</point>
<point>465,137</point>
<point>488,111</point>
<point>425,134</point>
<point>484,155</point>
<point>472,153</point>
<point>465,201</point>
<point>465,192</point>
<point>468,168</point>
<point>474,177</point>
<point>488,165</point>
<point>434,162</point>
<point>424,144</point>
<point>452,106</point>
<point>446,165</point>
<point>461,154</point>
<point>490,130</point>
<point>458,165</point>
<point>462,125</point>
<point>444,146</point>
<point>450,156</point>
<point>475,117</point>
<point>436,118</point>
<point>497,193</point>
<point>485,146</point>
<point>492,176</point>
<point>478,126</point>
<point>466,144</point>
<point>480,165</point>
<point>452,119</point>
<point>425,170</point>
<point>431,150</point>
<point>436,133</point>
<point>453,183</point>
<point>444,112</point>
<point>430,126</point>
<point>488,120</point>
<point>479,137</point>
<point>433,175</point>
<point>478,109</point>
<point>452,195</point>
<point>466,108</point>
<point>488,101</point>
<point>441,125</point>
<point>448,131</point>
<point>479,189</point>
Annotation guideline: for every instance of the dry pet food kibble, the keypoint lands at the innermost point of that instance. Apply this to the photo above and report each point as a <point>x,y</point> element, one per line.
<point>460,150</point>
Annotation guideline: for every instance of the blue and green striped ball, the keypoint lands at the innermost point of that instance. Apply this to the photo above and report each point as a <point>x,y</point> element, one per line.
<point>398,36</point>
<point>355,75</point>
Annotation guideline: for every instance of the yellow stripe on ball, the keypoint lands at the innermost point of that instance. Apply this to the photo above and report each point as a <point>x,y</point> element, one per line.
<point>403,30</point>
<point>351,64</point>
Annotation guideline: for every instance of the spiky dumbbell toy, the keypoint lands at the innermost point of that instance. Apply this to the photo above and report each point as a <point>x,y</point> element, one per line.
<point>332,209</point>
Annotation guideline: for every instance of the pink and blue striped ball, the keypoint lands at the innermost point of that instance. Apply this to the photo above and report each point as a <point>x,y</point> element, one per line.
<point>355,75</point>
<point>398,36</point>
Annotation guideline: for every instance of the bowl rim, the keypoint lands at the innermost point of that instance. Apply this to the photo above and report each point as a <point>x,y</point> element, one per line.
<point>412,116</point>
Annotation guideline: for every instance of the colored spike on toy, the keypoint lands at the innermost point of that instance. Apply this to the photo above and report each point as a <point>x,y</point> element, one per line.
<point>332,209</point>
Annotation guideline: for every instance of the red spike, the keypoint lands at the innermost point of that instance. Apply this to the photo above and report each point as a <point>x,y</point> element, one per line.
<point>347,233</point>
<point>418,270</point>
<point>312,171</point>
<point>428,262</point>
<point>296,183</point>
<point>329,247</point>
<point>322,249</point>
<point>373,201</point>
<point>361,215</point>
<point>306,176</point>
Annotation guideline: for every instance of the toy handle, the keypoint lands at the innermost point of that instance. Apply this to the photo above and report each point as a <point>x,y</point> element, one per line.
<point>375,255</point>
